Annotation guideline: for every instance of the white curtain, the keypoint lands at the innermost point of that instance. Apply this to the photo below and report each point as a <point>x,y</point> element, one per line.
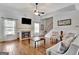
<point>9,27</point>
<point>36,29</point>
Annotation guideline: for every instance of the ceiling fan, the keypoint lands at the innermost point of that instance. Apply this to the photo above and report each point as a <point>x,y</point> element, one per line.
<point>36,11</point>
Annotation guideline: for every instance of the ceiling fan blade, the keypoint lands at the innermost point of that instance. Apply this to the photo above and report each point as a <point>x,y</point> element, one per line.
<point>41,12</point>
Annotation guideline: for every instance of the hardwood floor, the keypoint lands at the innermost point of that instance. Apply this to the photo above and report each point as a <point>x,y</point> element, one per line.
<point>23,48</point>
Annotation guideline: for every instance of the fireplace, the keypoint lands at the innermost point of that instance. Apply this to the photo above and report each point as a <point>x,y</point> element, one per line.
<point>25,34</point>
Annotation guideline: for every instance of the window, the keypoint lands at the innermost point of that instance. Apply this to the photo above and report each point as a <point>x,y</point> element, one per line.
<point>9,26</point>
<point>36,27</point>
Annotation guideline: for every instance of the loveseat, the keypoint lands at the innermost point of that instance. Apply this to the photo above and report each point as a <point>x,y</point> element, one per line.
<point>72,48</point>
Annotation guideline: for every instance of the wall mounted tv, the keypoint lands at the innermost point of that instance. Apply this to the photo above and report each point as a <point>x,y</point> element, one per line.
<point>26,21</point>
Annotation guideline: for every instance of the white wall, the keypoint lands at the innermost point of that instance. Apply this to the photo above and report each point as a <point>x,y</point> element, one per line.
<point>60,15</point>
<point>6,12</point>
<point>1,30</point>
<point>9,12</point>
<point>73,15</point>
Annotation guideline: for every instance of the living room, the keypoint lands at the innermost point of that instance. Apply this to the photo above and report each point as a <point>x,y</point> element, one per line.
<point>22,32</point>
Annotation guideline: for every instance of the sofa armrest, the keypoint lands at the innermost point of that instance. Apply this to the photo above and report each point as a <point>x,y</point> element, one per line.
<point>72,50</point>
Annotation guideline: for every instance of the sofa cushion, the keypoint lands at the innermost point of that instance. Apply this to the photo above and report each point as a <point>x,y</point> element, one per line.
<point>65,45</point>
<point>68,35</point>
<point>68,41</point>
<point>62,48</point>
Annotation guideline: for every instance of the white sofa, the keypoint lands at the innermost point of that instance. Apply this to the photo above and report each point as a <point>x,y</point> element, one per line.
<point>72,50</point>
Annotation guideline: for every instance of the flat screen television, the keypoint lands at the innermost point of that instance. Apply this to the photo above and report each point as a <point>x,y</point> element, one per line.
<point>26,21</point>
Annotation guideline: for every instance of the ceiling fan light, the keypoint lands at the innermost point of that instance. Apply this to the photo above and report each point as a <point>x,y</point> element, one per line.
<point>36,13</point>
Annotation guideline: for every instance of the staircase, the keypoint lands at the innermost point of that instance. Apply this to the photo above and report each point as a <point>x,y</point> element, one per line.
<point>48,25</point>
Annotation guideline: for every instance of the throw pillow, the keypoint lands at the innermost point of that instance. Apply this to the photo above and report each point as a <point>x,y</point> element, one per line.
<point>62,48</point>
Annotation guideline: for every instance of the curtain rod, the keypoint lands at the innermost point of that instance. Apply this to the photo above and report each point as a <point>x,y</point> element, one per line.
<point>9,18</point>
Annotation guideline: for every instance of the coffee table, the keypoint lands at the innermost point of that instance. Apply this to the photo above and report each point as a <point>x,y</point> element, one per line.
<point>37,39</point>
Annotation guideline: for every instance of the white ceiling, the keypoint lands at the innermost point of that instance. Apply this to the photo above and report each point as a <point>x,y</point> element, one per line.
<point>46,7</point>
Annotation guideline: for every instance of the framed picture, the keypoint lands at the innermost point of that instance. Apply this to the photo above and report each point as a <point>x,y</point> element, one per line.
<point>64,22</point>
